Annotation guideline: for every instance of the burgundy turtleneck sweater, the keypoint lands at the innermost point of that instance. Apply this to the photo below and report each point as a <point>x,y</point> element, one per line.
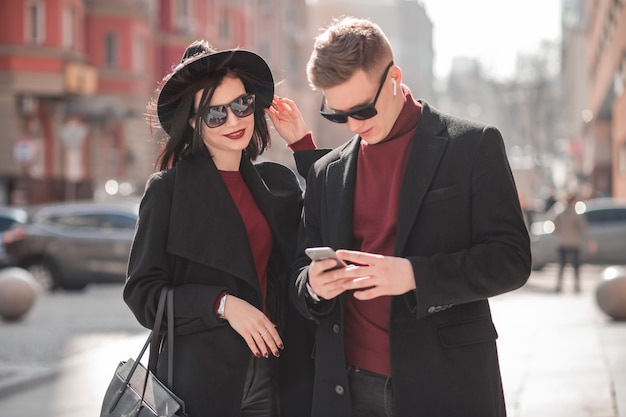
<point>259,232</point>
<point>380,170</point>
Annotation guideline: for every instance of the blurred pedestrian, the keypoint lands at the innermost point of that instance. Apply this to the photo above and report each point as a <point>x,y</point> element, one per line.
<point>572,233</point>
<point>221,231</point>
<point>550,200</point>
<point>427,207</point>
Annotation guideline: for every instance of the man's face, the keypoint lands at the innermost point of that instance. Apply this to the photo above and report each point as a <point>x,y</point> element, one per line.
<point>359,91</point>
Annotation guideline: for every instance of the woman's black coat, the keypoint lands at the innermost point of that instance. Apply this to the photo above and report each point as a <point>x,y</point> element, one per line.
<point>190,235</point>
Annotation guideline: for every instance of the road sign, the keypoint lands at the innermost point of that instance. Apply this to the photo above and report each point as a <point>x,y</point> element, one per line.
<point>24,150</point>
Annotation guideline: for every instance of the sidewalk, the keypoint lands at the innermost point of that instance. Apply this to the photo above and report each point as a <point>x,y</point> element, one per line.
<point>560,356</point>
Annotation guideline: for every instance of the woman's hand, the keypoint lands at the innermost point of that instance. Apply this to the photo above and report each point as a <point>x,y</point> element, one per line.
<point>256,329</point>
<point>287,119</point>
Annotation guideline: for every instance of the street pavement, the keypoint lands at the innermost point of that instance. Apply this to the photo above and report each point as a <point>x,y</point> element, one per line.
<point>560,355</point>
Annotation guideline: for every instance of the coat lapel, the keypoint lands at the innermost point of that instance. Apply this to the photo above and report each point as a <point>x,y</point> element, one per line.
<point>205,225</point>
<point>426,151</point>
<point>340,194</point>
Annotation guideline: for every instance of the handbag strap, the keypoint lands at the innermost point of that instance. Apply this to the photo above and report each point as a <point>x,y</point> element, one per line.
<point>156,341</point>
<point>157,324</point>
<point>157,337</point>
<point>170,339</point>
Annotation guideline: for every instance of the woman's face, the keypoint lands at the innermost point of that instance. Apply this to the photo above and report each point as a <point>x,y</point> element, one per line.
<point>226,142</point>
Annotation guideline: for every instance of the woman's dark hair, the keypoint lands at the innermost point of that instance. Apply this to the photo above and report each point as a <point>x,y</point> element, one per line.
<point>183,140</point>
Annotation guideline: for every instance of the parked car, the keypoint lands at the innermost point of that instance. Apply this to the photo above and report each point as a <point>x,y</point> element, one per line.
<point>70,245</point>
<point>8,217</point>
<point>606,218</point>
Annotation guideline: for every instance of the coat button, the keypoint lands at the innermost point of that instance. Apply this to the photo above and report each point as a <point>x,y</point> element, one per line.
<point>336,328</point>
<point>339,389</point>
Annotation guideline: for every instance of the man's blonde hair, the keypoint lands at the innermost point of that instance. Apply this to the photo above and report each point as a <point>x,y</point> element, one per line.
<point>345,46</point>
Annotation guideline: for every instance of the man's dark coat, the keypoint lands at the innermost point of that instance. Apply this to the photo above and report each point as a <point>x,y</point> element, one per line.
<point>461,226</point>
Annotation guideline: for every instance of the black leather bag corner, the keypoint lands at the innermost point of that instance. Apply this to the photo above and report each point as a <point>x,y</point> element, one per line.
<point>134,390</point>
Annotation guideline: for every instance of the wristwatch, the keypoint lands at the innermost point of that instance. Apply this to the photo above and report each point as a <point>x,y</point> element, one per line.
<point>314,297</point>
<point>221,306</point>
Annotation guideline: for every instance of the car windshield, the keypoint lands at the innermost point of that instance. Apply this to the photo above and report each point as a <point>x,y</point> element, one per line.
<point>606,215</point>
<point>5,223</point>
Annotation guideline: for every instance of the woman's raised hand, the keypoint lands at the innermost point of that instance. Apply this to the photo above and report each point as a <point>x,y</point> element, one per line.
<point>287,119</point>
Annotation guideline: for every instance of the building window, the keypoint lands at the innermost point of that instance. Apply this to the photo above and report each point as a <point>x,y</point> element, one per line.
<point>35,22</point>
<point>68,26</point>
<point>621,160</point>
<point>266,5</point>
<point>184,20</point>
<point>224,29</point>
<point>110,50</point>
<point>182,10</point>
<point>139,54</point>
<point>265,50</point>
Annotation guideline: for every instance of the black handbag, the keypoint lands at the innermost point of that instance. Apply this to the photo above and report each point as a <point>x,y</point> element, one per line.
<point>135,390</point>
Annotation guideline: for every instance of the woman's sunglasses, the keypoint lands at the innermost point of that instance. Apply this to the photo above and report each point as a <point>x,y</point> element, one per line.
<point>242,106</point>
<point>364,112</point>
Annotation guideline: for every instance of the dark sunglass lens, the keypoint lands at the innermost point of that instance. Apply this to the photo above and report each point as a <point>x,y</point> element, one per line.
<point>336,118</point>
<point>243,106</point>
<point>364,113</point>
<point>217,116</point>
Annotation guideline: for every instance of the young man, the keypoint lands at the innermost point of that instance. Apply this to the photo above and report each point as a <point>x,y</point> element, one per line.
<point>427,208</point>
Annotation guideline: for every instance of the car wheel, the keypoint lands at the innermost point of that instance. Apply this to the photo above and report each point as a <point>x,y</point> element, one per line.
<point>43,274</point>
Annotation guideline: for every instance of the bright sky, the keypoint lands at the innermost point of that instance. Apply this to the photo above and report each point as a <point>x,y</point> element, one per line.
<point>493,31</point>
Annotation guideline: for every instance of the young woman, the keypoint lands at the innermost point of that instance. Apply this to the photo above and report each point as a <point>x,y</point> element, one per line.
<point>221,231</point>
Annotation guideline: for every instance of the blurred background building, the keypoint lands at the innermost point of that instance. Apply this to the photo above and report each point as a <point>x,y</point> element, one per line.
<point>606,112</point>
<point>76,75</point>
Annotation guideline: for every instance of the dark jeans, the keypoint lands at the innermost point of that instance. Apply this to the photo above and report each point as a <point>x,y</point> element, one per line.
<point>371,393</point>
<point>571,255</point>
<point>258,393</point>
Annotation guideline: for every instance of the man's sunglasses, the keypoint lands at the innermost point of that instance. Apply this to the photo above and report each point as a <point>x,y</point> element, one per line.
<point>364,112</point>
<point>242,106</point>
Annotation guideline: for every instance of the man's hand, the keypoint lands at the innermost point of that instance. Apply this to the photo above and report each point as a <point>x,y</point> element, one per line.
<point>369,275</point>
<point>377,275</point>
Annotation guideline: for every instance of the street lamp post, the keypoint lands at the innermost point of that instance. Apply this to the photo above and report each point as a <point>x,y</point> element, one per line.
<point>73,134</point>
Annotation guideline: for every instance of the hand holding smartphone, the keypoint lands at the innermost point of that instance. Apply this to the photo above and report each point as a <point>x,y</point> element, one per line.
<point>324,252</point>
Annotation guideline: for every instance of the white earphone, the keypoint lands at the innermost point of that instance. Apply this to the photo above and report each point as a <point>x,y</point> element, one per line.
<point>395,86</point>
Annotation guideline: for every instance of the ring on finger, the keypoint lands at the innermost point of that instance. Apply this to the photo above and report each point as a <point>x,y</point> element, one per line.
<point>264,333</point>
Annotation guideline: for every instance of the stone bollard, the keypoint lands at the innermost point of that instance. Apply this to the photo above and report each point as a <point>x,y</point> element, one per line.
<point>18,292</point>
<point>611,292</point>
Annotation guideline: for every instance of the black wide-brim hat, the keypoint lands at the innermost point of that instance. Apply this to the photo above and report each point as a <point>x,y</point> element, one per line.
<point>200,60</point>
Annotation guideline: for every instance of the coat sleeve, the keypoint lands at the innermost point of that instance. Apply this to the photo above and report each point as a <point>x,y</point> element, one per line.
<point>306,158</point>
<point>497,257</point>
<point>150,267</point>
<point>309,235</point>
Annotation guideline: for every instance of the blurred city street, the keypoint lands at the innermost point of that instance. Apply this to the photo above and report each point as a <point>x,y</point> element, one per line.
<point>560,355</point>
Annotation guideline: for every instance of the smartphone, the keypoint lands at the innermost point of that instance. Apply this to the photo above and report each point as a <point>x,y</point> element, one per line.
<point>324,252</point>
